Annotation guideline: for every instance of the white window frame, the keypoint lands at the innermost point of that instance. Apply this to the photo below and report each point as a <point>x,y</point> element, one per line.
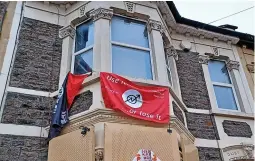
<point>168,68</point>
<point>82,50</point>
<point>225,85</point>
<point>133,46</point>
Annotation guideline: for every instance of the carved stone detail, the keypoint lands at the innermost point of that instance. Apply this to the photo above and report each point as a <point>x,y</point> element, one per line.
<point>249,150</point>
<point>203,59</point>
<point>67,31</point>
<point>233,65</point>
<point>101,13</point>
<point>250,68</point>
<point>82,11</point>
<point>170,51</point>
<point>216,51</point>
<point>99,154</point>
<point>155,25</point>
<point>130,7</point>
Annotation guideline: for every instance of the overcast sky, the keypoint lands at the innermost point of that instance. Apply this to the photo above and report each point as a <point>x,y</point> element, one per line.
<point>208,11</point>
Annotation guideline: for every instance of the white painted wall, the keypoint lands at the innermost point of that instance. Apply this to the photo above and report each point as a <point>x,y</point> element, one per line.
<point>226,140</point>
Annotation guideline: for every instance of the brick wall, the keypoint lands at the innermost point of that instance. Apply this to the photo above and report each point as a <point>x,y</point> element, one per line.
<point>38,58</point>
<point>209,154</point>
<point>237,129</point>
<point>82,103</point>
<point>178,113</point>
<point>22,148</point>
<point>26,109</point>
<point>193,87</point>
<point>202,126</point>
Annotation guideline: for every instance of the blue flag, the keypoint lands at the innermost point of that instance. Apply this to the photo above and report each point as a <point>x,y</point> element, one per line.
<point>70,88</point>
<point>60,112</point>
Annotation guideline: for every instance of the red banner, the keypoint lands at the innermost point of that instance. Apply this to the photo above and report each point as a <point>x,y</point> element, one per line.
<point>73,86</point>
<point>143,102</point>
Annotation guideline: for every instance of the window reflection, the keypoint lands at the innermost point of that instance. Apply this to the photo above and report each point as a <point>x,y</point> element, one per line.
<point>225,97</point>
<point>131,62</point>
<point>84,36</point>
<point>83,62</point>
<point>218,71</point>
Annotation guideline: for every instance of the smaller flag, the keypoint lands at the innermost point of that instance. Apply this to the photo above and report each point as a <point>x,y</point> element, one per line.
<point>145,155</point>
<point>66,95</point>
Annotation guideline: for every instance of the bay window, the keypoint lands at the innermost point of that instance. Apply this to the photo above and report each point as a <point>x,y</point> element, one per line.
<point>83,50</point>
<point>222,85</point>
<point>130,48</point>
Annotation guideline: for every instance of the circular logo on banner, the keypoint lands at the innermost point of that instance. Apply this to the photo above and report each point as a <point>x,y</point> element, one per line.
<point>132,98</point>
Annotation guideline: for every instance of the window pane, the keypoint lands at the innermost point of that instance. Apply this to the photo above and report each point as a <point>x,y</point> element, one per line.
<point>225,97</point>
<point>131,62</point>
<point>129,32</point>
<point>169,74</point>
<point>218,71</point>
<point>83,62</point>
<point>84,36</point>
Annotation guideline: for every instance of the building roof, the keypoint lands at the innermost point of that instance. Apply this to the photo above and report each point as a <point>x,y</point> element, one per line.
<point>245,39</point>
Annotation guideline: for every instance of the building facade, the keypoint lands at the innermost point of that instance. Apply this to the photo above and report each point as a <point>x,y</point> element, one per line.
<point>246,54</point>
<point>149,43</point>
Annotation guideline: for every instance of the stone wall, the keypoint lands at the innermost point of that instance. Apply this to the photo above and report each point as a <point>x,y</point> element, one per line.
<point>202,126</point>
<point>209,154</point>
<point>237,129</point>
<point>192,82</point>
<point>3,8</point>
<point>38,57</point>
<point>82,103</point>
<point>23,148</point>
<point>178,113</point>
<point>26,109</point>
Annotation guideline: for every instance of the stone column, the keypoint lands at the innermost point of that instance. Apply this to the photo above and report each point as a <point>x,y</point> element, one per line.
<point>102,42</point>
<point>155,29</point>
<point>172,56</point>
<point>99,147</point>
<point>233,67</point>
<point>67,35</point>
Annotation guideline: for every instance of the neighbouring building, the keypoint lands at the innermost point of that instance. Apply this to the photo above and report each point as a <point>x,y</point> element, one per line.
<point>245,48</point>
<point>206,68</point>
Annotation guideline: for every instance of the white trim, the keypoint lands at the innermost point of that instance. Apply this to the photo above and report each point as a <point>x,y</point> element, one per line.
<point>222,84</point>
<point>28,91</point>
<point>192,110</point>
<point>130,46</point>
<point>83,50</point>
<point>232,114</point>
<point>23,130</point>
<point>206,143</point>
<point>230,85</point>
<point>9,54</point>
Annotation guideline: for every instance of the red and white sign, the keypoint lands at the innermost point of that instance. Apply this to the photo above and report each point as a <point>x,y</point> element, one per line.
<point>145,155</point>
<point>143,102</point>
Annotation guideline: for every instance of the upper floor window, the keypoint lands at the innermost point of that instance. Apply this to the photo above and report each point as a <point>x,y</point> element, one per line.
<point>130,48</point>
<point>83,50</point>
<point>222,85</point>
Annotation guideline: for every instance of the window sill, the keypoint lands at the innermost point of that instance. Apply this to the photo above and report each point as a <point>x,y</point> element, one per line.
<point>236,114</point>
<point>95,77</point>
